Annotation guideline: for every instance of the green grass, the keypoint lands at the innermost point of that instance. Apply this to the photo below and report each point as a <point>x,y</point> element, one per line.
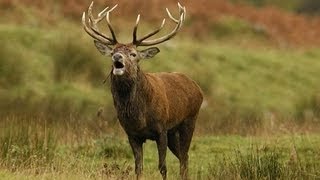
<point>211,157</point>
<point>48,72</point>
<point>56,73</point>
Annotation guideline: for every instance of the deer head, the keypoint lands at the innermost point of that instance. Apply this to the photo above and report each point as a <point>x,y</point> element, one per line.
<point>125,57</point>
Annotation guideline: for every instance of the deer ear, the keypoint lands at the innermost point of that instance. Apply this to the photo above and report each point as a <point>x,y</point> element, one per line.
<point>149,53</point>
<point>103,48</point>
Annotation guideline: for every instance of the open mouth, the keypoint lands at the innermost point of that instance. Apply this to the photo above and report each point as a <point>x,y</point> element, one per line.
<point>118,68</point>
<point>118,65</point>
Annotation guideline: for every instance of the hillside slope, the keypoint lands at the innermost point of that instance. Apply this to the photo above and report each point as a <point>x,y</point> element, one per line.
<point>57,73</point>
<point>284,28</point>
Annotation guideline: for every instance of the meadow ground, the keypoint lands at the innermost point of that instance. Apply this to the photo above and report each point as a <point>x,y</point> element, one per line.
<point>211,157</point>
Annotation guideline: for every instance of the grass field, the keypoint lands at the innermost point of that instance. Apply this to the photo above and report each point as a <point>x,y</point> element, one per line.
<point>211,157</point>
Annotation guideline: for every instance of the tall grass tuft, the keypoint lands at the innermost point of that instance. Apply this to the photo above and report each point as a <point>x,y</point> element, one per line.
<point>26,143</point>
<point>257,165</point>
<point>264,163</point>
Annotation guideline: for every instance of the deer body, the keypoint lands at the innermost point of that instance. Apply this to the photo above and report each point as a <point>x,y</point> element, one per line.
<point>157,106</point>
<point>154,102</point>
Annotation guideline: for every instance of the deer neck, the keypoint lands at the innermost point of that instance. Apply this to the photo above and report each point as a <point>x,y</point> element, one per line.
<point>130,94</point>
<point>125,88</point>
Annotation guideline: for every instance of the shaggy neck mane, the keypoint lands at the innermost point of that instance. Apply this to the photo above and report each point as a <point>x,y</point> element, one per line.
<point>130,95</point>
<point>125,88</point>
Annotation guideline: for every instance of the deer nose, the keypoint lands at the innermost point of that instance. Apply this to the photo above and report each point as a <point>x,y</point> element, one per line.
<point>117,57</point>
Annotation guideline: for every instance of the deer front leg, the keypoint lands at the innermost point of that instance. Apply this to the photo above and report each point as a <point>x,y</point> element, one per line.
<point>136,146</point>
<point>162,150</point>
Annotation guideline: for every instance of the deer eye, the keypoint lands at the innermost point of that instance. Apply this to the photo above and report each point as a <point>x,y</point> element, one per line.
<point>133,54</point>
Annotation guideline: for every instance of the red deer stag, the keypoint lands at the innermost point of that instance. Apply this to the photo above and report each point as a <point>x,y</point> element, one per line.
<point>157,106</point>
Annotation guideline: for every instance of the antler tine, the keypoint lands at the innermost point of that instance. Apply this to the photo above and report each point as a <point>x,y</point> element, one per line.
<point>93,29</point>
<point>171,17</point>
<point>93,22</point>
<point>135,41</point>
<point>154,32</point>
<point>135,30</point>
<point>91,32</point>
<point>109,24</point>
<point>182,9</point>
<point>141,42</point>
<point>103,12</point>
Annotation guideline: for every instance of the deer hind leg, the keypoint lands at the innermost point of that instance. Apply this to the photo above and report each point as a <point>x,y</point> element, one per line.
<point>185,132</point>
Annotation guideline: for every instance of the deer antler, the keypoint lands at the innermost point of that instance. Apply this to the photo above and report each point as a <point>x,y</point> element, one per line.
<point>93,29</point>
<point>143,42</point>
